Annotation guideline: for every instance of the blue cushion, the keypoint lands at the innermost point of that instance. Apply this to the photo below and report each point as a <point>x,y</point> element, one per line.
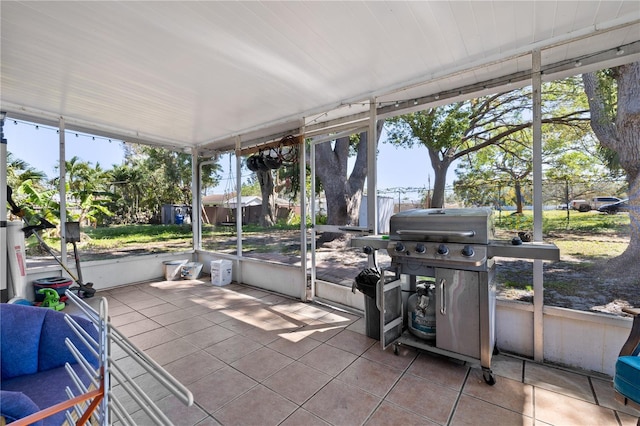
<point>16,405</point>
<point>627,378</point>
<point>53,351</point>
<point>20,328</point>
<point>33,354</point>
<point>46,388</point>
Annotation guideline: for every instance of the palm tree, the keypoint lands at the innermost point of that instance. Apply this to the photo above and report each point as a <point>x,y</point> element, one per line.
<point>87,190</point>
<point>30,189</point>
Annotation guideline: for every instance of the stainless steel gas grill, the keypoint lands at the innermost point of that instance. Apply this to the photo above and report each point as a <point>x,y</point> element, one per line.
<point>451,252</point>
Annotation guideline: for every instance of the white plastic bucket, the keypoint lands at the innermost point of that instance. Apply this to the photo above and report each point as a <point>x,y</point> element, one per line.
<point>191,270</point>
<point>173,269</point>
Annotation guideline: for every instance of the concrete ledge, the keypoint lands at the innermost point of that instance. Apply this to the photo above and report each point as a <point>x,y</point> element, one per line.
<point>109,273</point>
<point>586,340</point>
<point>269,275</point>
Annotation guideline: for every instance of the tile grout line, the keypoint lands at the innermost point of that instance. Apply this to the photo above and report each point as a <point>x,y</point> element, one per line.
<point>533,391</point>
<point>455,404</point>
<point>258,383</point>
<point>384,397</point>
<point>333,377</point>
<point>593,391</point>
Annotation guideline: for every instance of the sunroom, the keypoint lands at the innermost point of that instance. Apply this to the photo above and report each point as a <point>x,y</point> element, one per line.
<point>232,79</point>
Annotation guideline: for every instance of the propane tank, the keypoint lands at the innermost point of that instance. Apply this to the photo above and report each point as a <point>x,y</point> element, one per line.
<point>421,307</point>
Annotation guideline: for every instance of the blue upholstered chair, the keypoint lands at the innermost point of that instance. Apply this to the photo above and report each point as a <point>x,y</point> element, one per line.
<point>626,382</point>
<point>33,355</point>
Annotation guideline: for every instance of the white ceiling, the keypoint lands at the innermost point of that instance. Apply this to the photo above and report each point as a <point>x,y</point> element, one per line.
<point>200,74</point>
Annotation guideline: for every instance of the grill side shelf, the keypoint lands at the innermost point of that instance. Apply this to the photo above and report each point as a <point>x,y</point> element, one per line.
<point>374,241</point>
<point>540,251</point>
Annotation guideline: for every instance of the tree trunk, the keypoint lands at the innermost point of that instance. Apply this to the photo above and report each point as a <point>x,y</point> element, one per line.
<point>623,137</point>
<point>266,190</point>
<point>440,168</point>
<point>518,190</point>
<point>331,169</point>
<point>343,193</point>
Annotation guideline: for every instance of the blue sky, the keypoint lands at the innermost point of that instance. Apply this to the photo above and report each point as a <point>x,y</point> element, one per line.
<point>39,148</point>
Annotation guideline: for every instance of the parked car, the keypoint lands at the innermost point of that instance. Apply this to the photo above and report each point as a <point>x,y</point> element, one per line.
<point>598,202</point>
<point>594,204</point>
<point>613,208</point>
<point>580,205</point>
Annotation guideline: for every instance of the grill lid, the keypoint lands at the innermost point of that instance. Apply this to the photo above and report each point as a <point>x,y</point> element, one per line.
<point>474,225</point>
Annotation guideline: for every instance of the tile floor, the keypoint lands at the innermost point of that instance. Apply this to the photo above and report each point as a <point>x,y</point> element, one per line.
<point>255,358</point>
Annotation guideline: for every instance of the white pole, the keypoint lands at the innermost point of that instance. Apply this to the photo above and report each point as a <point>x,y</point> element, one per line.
<point>304,236</point>
<point>372,170</point>
<point>196,213</point>
<point>239,209</point>
<point>62,190</point>
<point>4,292</point>
<point>312,212</point>
<point>538,285</point>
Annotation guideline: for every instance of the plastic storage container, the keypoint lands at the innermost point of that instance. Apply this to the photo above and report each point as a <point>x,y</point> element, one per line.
<point>59,284</point>
<point>221,272</point>
<point>191,270</point>
<point>173,269</point>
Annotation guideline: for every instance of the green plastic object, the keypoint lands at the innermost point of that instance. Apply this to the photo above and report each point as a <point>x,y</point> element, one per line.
<point>51,299</point>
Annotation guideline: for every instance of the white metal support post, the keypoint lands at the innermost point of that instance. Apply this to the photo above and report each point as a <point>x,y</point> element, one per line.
<point>372,170</point>
<point>199,205</point>
<point>196,212</point>
<point>538,284</point>
<point>302,154</point>
<point>238,209</point>
<point>62,190</point>
<point>4,291</point>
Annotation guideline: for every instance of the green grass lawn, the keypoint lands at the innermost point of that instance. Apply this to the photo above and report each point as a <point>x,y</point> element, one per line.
<point>585,235</point>
<point>557,221</point>
<point>121,236</point>
<point>586,242</point>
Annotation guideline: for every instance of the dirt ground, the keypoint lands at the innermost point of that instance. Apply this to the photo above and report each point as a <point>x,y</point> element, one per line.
<point>570,285</point>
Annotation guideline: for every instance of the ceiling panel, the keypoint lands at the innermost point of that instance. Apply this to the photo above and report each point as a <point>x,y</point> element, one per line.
<point>198,74</point>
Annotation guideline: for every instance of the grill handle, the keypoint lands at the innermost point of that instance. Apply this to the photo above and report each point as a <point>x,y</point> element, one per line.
<point>380,292</point>
<point>443,303</point>
<point>436,233</point>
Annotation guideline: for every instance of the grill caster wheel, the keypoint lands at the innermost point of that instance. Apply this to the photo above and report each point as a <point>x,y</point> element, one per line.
<point>396,351</point>
<point>488,377</point>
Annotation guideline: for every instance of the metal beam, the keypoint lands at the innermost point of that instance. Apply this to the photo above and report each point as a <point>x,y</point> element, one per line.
<point>238,264</point>
<point>538,285</point>
<point>4,291</point>
<point>372,170</point>
<point>302,156</point>
<point>196,204</point>
<point>62,190</point>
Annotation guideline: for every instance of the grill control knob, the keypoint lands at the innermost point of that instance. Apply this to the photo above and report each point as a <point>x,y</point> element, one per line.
<point>467,251</point>
<point>400,247</point>
<point>420,248</point>
<point>443,250</point>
